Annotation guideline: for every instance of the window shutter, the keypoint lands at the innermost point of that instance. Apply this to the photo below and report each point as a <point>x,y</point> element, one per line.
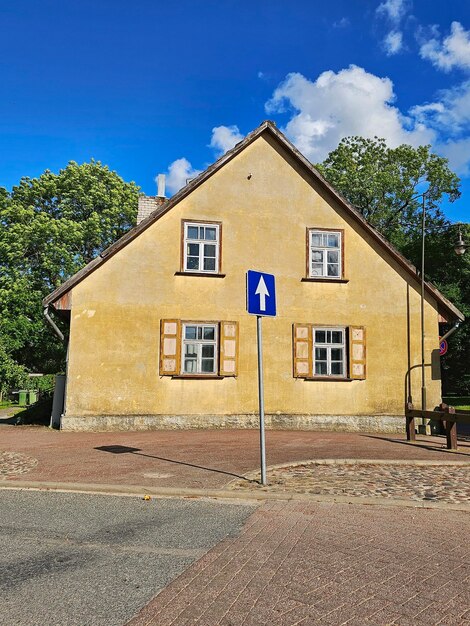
<point>357,352</point>
<point>170,347</point>
<point>228,353</point>
<point>302,350</point>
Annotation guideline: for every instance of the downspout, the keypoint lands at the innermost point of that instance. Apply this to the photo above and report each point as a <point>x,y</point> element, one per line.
<point>60,335</point>
<point>56,329</point>
<point>452,330</point>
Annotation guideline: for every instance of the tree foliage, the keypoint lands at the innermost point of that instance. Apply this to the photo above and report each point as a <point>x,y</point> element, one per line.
<point>386,186</point>
<point>50,227</point>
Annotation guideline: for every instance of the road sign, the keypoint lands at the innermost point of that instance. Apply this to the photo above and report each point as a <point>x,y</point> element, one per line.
<point>260,293</point>
<point>443,347</point>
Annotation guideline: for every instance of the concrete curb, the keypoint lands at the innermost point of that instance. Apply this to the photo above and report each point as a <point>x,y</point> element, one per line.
<point>223,494</point>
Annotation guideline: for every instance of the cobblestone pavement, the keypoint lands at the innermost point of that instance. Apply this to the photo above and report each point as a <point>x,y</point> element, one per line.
<point>424,481</point>
<point>305,563</point>
<point>14,464</point>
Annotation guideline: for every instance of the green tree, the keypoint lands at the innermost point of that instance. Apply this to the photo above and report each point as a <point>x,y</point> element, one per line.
<point>50,227</point>
<point>385,185</point>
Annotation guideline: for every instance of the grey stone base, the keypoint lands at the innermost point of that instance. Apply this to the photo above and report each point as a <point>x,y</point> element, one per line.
<point>344,423</point>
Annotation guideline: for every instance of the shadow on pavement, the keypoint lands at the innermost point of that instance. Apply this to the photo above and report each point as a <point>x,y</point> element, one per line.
<point>438,447</point>
<point>137,451</point>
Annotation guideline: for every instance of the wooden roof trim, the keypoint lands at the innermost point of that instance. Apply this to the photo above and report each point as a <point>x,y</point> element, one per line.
<point>269,126</point>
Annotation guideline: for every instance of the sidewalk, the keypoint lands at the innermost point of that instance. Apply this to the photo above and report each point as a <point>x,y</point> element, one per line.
<point>196,459</point>
<point>296,562</point>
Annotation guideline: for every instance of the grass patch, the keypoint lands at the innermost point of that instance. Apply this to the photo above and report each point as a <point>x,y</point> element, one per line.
<point>459,402</point>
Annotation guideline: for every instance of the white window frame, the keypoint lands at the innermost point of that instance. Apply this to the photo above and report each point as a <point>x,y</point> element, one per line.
<point>324,249</point>
<point>200,242</point>
<point>329,346</point>
<point>200,343</point>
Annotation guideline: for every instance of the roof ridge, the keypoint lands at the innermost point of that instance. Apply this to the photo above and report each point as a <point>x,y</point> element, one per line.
<point>270,126</point>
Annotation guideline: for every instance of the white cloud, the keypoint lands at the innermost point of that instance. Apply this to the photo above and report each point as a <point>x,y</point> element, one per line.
<point>453,51</point>
<point>342,23</point>
<point>393,42</point>
<point>178,174</point>
<point>450,114</point>
<point>394,10</point>
<point>458,153</point>
<point>336,105</point>
<point>224,138</point>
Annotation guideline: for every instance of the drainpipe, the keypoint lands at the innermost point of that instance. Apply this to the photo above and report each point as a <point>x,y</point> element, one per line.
<point>56,329</point>
<point>452,330</point>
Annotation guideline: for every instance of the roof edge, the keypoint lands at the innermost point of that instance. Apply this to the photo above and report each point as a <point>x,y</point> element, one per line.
<point>270,127</point>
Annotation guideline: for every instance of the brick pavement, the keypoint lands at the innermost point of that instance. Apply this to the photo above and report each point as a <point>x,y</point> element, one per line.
<point>305,563</point>
<point>196,458</point>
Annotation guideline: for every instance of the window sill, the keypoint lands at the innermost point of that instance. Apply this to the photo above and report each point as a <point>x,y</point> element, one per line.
<point>324,280</point>
<point>203,274</point>
<point>198,377</point>
<point>336,379</point>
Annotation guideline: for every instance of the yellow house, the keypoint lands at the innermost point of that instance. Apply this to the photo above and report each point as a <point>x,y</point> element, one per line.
<point>160,336</point>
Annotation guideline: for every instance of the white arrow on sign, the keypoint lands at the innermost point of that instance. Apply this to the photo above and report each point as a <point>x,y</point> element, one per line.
<point>262,292</point>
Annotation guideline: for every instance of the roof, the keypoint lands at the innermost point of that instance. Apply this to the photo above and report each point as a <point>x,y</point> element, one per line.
<point>267,127</point>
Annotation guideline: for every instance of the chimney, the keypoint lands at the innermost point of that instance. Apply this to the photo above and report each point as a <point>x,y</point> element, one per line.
<point>148,204</point>
<point>161,185</point>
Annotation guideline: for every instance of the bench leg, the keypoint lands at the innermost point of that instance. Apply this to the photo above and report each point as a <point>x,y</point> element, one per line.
<point>451,435</point>
<point>410,429</point>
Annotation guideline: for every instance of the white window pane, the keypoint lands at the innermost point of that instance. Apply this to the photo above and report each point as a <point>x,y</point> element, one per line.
<point>209,250</point>
<point>316,239</point>
<point>333,256</point>
<point>209,265</point>
<point>317,256</point>
<point>193,232</point>
<point>207,365</point>
<point>192,263</point>
<point>199,332</point>
<point>210,234</point>
<point>333,241</point>
<point>333,269</point>
<point>317,269</point>
<point>320,336</point>
<point>209,332</point>
<point>208,352</point>
<point>320,369</point>
<point>193,249</point>
<point>336,354</point>
<point>337,336</point>
<point>190,366</point>
<point>320,354</point>
<point>336,369</point>
<point>190,332</point>
<point>190,350</point>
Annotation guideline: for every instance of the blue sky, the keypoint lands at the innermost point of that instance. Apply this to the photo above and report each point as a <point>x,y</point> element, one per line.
<point>149,86</point>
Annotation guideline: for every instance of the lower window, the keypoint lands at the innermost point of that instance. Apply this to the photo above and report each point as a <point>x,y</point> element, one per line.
<point>329,351</point>
<point>199,349</point>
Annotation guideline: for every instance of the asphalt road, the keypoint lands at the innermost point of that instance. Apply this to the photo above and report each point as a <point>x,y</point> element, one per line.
<point>84,560</point>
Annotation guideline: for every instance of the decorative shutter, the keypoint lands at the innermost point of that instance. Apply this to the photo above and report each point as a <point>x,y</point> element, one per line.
<point>357,352</point>
<point>302,350</point>
<point>228,352</point>
<point>170,347</point>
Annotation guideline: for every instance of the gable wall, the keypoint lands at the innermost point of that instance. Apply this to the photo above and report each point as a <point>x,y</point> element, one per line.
<point>115,321</point>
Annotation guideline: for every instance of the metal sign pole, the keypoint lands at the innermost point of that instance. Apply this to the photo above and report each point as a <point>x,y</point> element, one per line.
<point>261,402</point>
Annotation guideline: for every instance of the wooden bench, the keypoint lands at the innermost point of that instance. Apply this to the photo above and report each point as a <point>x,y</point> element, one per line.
<point>447,414</point>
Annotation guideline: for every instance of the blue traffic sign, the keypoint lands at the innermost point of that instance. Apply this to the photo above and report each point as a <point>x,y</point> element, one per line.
<point>260,293</point>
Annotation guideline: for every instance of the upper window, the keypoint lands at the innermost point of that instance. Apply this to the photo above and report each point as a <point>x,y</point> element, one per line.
<point>325,252</point>
<point>199,349</point>
<point>201,247</point>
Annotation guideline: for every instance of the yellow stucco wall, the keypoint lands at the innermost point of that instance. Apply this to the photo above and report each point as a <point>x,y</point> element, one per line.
<point>116,311</point>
